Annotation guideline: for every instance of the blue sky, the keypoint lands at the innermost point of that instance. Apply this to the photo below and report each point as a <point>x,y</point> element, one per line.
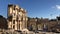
<point>35,8</point>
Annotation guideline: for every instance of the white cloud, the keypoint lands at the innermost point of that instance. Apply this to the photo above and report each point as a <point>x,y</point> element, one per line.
<point>57,6</point>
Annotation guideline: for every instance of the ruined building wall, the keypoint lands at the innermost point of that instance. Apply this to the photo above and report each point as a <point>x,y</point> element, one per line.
<point>18,17</point>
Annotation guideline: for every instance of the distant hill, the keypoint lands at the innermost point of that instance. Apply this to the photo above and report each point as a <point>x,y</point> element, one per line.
<point>3,22</point>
